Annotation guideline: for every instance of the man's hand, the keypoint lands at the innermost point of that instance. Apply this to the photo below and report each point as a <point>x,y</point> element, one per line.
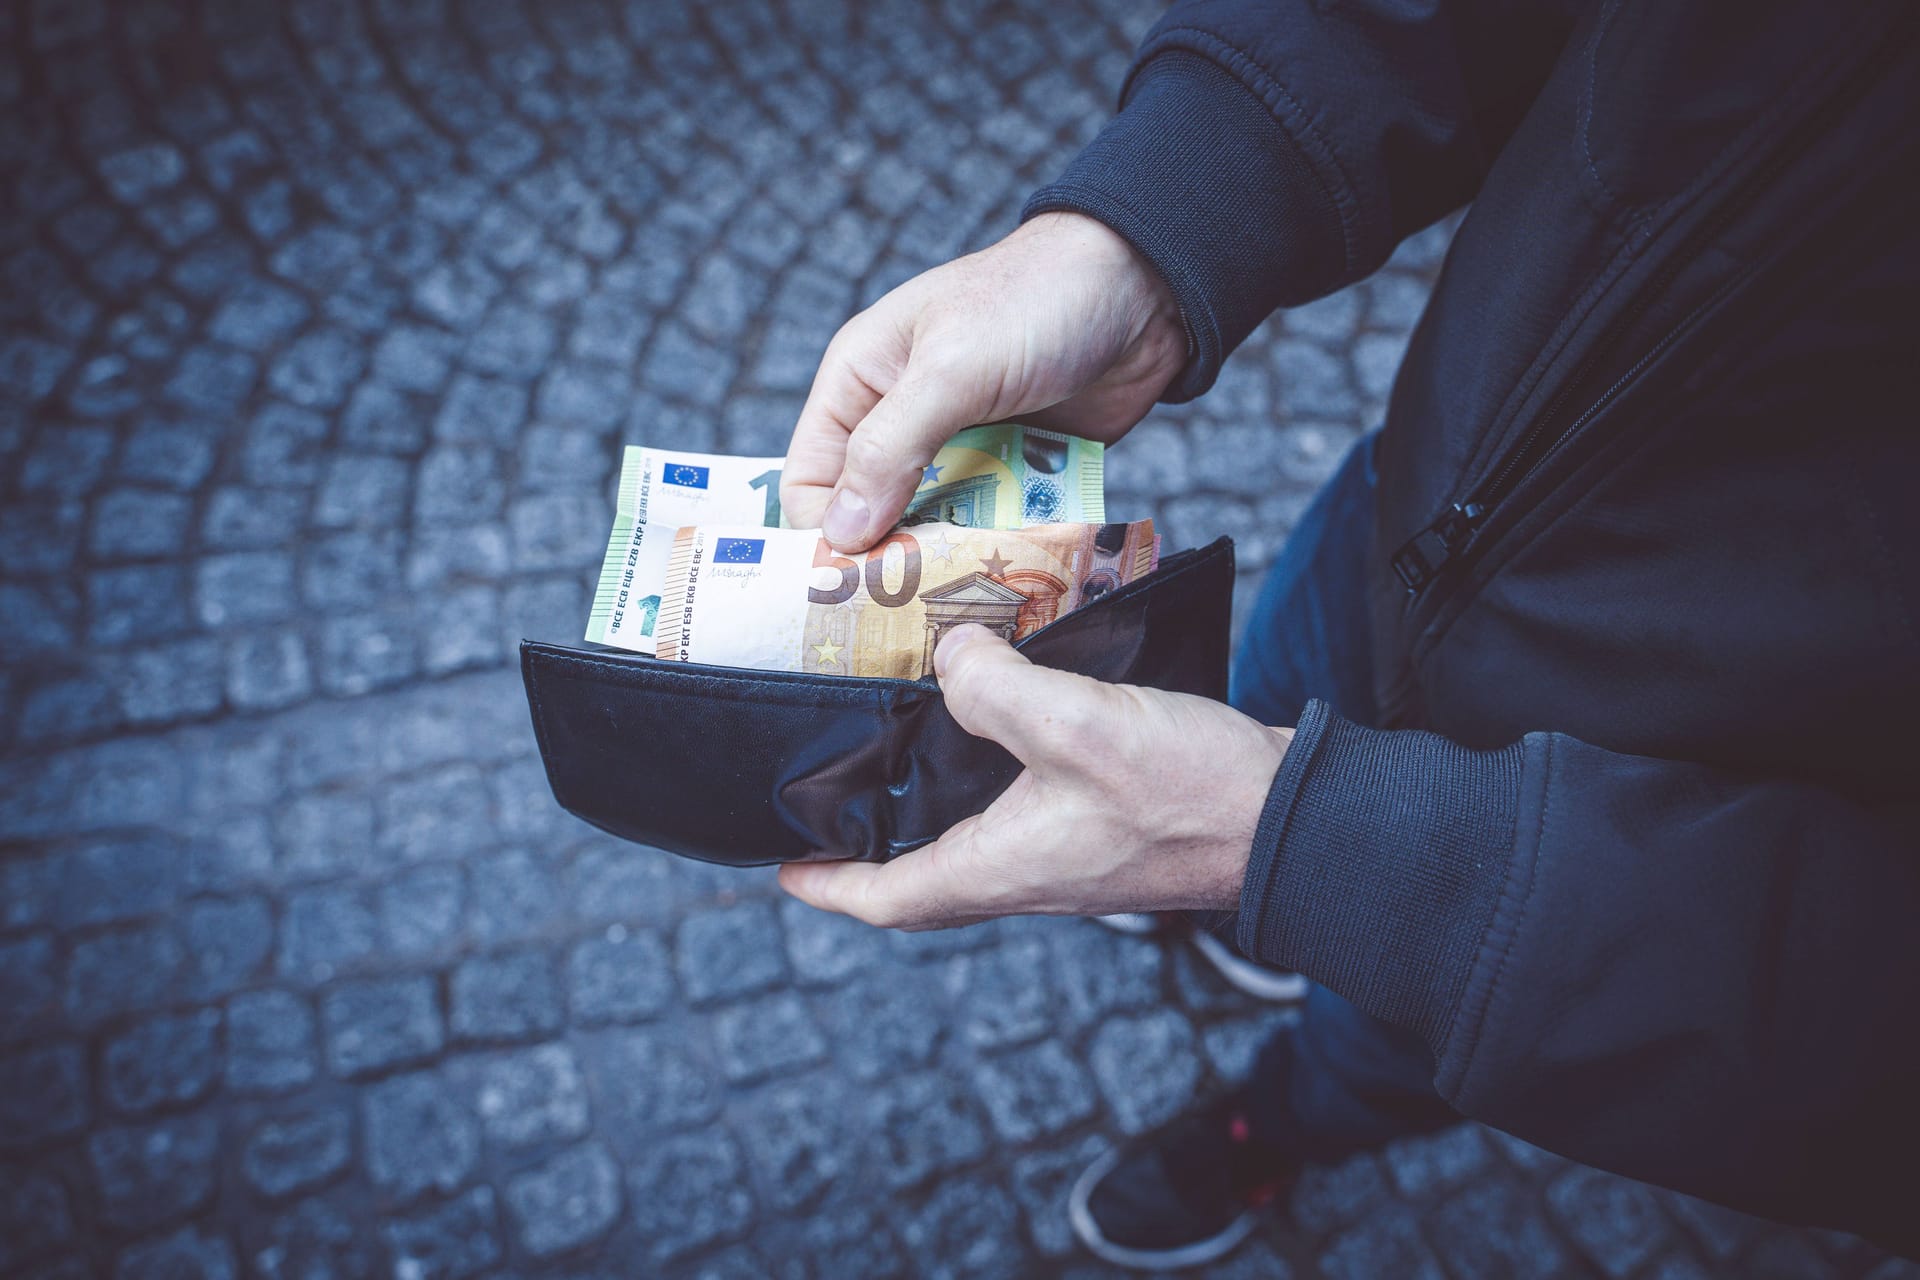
<point>1061,324</point>
<point>1131,800</point>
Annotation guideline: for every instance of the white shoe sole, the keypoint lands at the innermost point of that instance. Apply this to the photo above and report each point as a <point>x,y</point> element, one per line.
<point>1196,1254</point>
<point>1277,985</point>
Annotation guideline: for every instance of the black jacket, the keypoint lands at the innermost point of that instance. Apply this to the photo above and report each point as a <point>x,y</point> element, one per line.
<point>1636,846</point>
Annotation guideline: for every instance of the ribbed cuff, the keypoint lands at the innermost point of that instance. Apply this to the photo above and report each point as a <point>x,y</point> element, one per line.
<point>1377,864</point>
<point>1200,178</point>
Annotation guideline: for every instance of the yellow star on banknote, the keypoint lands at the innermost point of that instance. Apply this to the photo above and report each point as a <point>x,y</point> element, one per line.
<point>995,564</point>
<point>828,652</point>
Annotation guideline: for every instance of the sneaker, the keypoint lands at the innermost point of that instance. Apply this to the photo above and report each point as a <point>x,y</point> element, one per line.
<point>1281,986</point>
<point>1140,924</point>
<point>1181,1195</point>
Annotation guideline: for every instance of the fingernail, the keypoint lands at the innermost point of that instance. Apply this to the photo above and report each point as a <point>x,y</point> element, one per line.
<point>954,641</point>
<point>845,523</point>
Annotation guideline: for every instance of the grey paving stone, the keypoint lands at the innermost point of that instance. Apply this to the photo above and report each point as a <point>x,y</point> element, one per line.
<point>565,1202</point>
<point>1616,1223</point>
<point>43,1094</point>
<point>1386,1244</point>
<point>1146,1067</point>
<point>171,683</point>
<point>361,489</point>
<point>421,909</point>
<point>134,524</point>
<point>528,1096</point>
<point>243,586</point>
<point>1437,1162</point>
<point>458,484</point>
<point>688,1192</point>
<point>376,1024</point>
<point>417,1135</point>
<point>768,1036</point>
<point>996,997</point>
<point>512,995</point>
<point>118,878</point>
<point>683,1089</point>
<point>162,1061</point>
<point>512,895</point>
<point>457,1239</point>
<point>922,1125</point>
<point>188,1254</point>
<point>298,1151</point>
<point>619,883</point>
<point>621,976</point>
<point>371,651</point>
<point>150,1175</point>
<point>805,1140</point>
<point>968,1227</point>
<point>834,1240</point>
<point>323,932</point>
<point>1497,1229</point>
<point>414,358</point>
<point>258,316</point>
<point>251,517</point>
<point>270,1043</point>
<point>324,835</point>
<point>267,670</point>
<point>317,369</point>
<point>121,972</point>
<point>315,1240</point>
<point>729,952</point>
<point>1035,1091</point>
<point>36,1216</point>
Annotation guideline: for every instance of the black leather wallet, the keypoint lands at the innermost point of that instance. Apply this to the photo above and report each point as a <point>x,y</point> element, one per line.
<point>751,767</point>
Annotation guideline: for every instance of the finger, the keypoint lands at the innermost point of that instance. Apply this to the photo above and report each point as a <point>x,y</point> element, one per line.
<point>917,890</point>
<point>888,452</point>
<point>994,691</point>
<point>840,397</point>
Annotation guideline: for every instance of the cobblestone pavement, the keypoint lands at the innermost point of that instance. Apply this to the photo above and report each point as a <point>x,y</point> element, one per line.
<point>324,322</point>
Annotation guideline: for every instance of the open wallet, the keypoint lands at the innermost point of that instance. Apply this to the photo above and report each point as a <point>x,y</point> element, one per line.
<point>751,767</point>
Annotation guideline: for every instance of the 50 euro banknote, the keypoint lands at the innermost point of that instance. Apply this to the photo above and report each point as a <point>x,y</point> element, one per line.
<point>784,600</point>
<point>1001,476</point>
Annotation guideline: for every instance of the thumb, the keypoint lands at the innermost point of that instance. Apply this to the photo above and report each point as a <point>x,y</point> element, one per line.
<point>887,455</point>
<point>995,691</point>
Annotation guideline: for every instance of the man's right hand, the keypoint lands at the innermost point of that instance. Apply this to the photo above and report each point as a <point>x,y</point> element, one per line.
<point>1061,325</point>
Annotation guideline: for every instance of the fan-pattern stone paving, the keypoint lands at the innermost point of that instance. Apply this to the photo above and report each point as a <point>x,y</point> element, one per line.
<point>324,322</point>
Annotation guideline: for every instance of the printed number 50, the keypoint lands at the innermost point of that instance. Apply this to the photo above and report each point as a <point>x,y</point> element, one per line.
<point>876,573</point>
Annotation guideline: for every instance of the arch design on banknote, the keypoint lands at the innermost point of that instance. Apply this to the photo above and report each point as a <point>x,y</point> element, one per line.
<point>979,598</point>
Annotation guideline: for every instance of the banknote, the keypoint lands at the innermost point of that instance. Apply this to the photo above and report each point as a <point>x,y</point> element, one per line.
<point>1001,476</point>
<point>662,490</point>
<point>784,600</point>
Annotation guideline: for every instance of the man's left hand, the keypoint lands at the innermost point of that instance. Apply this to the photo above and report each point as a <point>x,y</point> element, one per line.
<point>1131,800</point>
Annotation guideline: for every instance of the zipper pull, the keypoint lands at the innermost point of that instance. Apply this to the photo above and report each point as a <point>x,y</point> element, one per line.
<point>1421,557</point>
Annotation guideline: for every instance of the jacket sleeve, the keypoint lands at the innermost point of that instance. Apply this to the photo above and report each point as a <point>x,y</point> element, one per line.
<point>1269,152</point>
<point>1706,981</point>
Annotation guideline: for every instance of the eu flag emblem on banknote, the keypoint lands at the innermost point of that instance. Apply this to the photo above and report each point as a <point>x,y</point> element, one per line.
<point>738,550</point>
<point>685,474</point>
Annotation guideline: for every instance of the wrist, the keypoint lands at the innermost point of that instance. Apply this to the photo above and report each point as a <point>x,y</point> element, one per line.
<point>1228,873</point>
<point>1131,279</point>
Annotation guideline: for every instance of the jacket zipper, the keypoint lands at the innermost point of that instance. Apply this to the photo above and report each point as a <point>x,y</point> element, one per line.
<point>1421,558</point>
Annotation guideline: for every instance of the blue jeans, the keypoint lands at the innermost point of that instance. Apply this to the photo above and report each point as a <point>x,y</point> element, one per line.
<point>1342,1080</point>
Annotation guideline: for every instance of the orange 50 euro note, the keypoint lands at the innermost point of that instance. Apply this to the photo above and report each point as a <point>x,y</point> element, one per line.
<point>784,600</point>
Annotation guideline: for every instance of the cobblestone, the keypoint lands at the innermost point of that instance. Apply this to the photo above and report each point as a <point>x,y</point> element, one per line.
<point>509,996</point>
<point>566,1201</point>
<point>154,1174</point>
<point>270,1043</point>
<point>318,349</point>
<point>162,1061</point>
<point>619,977</point>
<point>380,1023</point>
<point>43,1094</point>
<point>460,1238</point>
<point>417,1135</point>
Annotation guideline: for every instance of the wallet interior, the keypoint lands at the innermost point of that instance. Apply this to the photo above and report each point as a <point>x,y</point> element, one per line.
<point>749,767</point>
